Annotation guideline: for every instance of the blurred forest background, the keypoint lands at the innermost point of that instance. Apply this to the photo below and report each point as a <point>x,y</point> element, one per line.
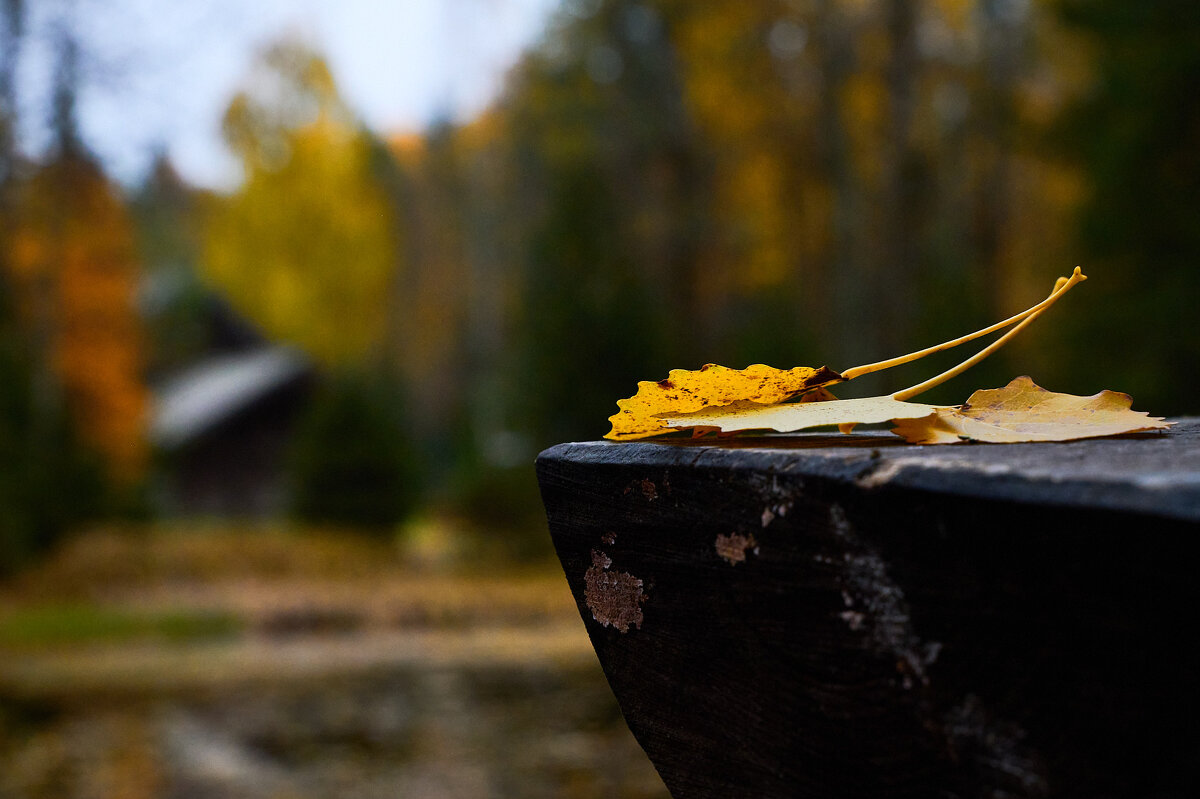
<point>379,331</point>
<point>662,184</point>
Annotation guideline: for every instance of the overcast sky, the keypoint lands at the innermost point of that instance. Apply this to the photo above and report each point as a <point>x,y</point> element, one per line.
<point>159,74</point>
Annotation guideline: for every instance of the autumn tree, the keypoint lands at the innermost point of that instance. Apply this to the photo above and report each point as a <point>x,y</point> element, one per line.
<point>75,267</point>
<point>307,247</point>
<point>75,271</point>
<point>72,401</point>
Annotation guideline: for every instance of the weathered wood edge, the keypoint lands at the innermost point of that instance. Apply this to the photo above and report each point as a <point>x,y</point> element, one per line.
<point>947,621</point>
<point>1154,474</point>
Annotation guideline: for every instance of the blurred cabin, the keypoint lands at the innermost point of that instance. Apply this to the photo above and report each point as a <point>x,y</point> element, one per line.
<point>223,426</point>
<point>222,422</point>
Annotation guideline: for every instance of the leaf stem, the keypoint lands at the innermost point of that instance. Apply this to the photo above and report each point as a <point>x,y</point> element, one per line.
<point>1061,287</point>
<point>866,369</point>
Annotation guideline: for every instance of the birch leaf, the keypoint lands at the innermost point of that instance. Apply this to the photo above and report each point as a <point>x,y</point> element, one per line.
<point>719,398</point>
<point>1024,411</point>
<point>686,391</point>
<point>789,417</point>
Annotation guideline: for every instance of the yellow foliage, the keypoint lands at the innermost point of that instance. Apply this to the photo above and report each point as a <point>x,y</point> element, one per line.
<point>731,87</point>
<point>722,57</point>
<point>757,193</point>
<point>307,247</point>
<point>308,250</point>
<point>864,98</point>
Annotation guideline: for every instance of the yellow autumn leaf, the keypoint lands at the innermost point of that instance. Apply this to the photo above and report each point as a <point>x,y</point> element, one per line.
<point>1024,411</point>
<point>789,417</point>
<point>753,394</point>
<point>685,391</point>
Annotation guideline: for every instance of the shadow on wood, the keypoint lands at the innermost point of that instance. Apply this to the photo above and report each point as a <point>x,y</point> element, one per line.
<point>894,621</point>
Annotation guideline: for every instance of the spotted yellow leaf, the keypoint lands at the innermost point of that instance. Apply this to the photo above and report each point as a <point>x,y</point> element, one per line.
<point>685,391</point>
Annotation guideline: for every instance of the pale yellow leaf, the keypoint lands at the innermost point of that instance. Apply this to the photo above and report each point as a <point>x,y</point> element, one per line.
<point>789,417</point>
<point>1024,411</point>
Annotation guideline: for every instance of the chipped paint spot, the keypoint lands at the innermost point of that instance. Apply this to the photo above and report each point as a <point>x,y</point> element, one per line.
<point>647,487</point>
<point>615,598</point>
<point>840,524</point>
<point>773,512</point>
<point>733,547</point>
<point>853,619</point>
<point>875,604</point>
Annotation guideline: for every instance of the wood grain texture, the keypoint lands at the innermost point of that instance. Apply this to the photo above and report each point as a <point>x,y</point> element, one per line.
<point>849,617</point>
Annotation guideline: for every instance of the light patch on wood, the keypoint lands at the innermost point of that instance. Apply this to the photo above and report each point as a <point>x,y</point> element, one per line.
<point>773,512</point>
<point>875,605</point>
<point>615,598</point>
<point>733,547</point>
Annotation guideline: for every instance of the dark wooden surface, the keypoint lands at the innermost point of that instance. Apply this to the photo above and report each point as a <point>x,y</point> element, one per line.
<point>827,616</point>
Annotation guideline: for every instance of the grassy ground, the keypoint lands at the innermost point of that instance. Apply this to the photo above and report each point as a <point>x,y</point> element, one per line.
<point>72,623</point>
<point>211,662</point>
